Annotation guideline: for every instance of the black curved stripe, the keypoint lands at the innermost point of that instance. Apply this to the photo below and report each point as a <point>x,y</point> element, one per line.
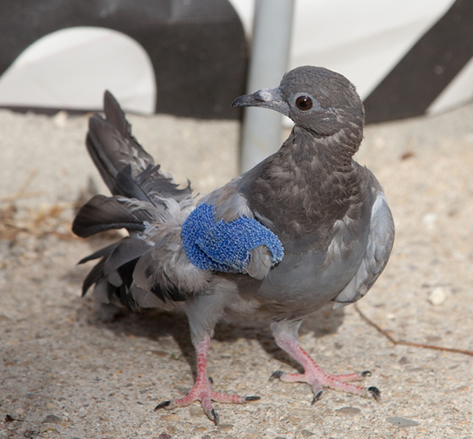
<point>424,72</point>
<point>192,45</point>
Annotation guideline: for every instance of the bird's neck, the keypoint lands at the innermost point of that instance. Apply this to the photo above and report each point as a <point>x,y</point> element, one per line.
<point>326,154</point>
<point>309,183</point>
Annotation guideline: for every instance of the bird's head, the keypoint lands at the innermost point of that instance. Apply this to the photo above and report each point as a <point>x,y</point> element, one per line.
<point>317,99</point>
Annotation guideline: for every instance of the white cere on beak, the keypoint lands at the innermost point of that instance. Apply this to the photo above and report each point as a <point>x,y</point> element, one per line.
<point>266,95</point>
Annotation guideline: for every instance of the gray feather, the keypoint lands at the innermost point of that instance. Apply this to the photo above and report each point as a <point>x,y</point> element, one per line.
<point>378,249</point>
<point>103,213</point>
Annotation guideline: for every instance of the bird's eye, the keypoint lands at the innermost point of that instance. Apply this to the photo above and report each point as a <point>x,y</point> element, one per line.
<point>304,103</point>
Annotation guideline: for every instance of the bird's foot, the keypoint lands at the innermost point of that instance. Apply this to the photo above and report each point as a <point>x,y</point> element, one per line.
<point>318,379</point>
<point>201,392</point>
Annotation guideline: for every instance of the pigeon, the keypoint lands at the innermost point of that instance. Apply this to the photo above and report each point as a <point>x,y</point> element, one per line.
<point>305,227</point>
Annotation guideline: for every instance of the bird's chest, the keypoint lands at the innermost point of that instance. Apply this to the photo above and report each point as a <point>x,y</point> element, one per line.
<point>303,199</point>
<point>306,280</point>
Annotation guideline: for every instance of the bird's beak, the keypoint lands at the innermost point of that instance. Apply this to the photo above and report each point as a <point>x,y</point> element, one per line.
<point>266,98</point>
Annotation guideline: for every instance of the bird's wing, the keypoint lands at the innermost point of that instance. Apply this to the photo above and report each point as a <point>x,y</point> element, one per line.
<point>150,267</point>
<point>378,249</point>
<point>126,168</point>
<point>154,267</point>
<point>103,213</point>
<point>239,240</point>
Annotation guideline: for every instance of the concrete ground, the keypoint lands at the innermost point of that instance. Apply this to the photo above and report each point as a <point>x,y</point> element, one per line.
<point>66,374</point>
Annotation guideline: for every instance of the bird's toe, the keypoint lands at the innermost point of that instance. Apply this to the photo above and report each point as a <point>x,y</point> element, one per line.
<point>214,416</point>
<point>277,374</point>
<point>374,392</point>
<point>317,397</point>
<point>163,405</point>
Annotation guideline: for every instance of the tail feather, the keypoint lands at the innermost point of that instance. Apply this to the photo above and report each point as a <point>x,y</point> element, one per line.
<point>155,183</point>
<point>127,250</point>
<point>126,168</point>
<point>105,251</point>
<point>103,213</point>
<point>116,118</point>
<point>111,141</point>
<point>116,159</point>
<point>125,272</point>
<point>104,164</point>
<point>144,201</point>
<point>94,276</point>
<point>115,269</point>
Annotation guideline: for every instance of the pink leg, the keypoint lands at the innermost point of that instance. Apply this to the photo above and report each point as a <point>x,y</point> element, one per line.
<point>315,376</point>
<point>201,389</point>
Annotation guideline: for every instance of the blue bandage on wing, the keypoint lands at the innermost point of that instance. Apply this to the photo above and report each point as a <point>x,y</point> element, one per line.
<point>225,246</point>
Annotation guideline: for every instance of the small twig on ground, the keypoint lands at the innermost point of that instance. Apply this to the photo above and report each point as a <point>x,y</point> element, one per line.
<point>16,196</point>
<point>409,343</point>
<point>29,178</point>
<point>64,236</point>
<point>21,192</point>
<point>39,222</point>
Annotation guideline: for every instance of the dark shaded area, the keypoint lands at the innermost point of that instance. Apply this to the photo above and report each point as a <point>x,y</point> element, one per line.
<point>427,69</point>
<point>155,324</point>
<point>193,46</point>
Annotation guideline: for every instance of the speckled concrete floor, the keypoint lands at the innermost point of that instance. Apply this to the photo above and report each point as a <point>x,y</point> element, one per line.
<point>65,374</point>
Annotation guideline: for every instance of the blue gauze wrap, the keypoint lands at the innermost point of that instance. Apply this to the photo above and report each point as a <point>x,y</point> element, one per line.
<point>225,246</point>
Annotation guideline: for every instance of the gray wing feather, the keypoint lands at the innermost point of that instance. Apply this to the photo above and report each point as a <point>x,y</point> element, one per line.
<point>103,213</point>
<point>260,262</point>
<point>380,243</point>
<point>148,204</point>
<point>126,168</point>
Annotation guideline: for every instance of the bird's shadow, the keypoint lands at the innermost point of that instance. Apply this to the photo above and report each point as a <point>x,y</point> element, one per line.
<point>157,324</point>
